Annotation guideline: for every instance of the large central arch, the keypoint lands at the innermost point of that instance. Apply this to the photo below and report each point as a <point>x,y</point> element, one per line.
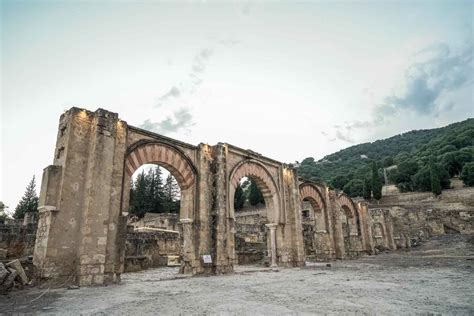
<point>180,166</point>
<point>170,157</point>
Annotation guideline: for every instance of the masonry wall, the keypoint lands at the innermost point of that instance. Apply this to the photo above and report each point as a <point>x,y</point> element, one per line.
<point>419,215</point>
<point>16,239</point>
<point>148,249</point>
<point>251,236</point>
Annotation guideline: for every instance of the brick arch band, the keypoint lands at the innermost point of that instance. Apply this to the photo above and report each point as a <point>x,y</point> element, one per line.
<point>166,155</point>
<point>346,205</point>
<point>265,183</point>
<point>312,193</point>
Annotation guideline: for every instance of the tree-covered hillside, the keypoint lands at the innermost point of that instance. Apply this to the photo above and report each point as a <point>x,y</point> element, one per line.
<point>448,149</point>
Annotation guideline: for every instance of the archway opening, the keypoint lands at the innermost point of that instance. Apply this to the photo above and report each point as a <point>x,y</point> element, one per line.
<point>309,227</point>
<point>153,238</point>
<point>346,221</point>
<point>251,217</point>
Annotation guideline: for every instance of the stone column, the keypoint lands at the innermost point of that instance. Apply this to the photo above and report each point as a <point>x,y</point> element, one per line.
<point>187,251</point>
<point>272,228</point>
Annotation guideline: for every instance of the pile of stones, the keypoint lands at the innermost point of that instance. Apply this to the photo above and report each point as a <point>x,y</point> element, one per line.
<point>12,275</point>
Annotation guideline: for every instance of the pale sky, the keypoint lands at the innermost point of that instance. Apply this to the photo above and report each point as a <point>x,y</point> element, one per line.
<point>283,79</point>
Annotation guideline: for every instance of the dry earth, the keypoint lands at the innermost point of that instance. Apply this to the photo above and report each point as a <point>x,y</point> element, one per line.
<point>435,278</point>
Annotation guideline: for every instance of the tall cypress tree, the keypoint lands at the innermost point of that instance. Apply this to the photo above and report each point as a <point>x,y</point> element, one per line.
<point>29,201</point>
<point>367,188</point>
<point>376,184</point>
<point>434,177</point>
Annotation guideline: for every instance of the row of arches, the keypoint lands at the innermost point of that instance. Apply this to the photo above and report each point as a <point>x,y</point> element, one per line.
<point>86,193</point>
<point>337,228</point>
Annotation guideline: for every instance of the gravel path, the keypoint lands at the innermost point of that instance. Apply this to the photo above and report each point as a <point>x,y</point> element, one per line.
<point>434,278</point>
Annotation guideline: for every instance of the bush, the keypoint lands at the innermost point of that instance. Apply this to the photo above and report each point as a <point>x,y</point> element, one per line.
<point>467,175</point>
<point>354,188</point>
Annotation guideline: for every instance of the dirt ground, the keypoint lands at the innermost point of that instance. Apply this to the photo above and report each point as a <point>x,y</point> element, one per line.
<point>435,278</point>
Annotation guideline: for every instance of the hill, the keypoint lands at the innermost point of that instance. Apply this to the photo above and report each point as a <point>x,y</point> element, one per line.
<point>450,148</point>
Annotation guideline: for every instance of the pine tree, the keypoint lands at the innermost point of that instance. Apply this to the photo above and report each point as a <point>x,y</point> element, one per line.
<point>138,195</point>
<point>29,201</point>
<point>3,214</point>
<point>154,194</point>
<point>171,195</point>
<point>239,198</point>
<point>434,177</point>
<point>376,184</point>
<point>367,188</point>
<point>255,196</point>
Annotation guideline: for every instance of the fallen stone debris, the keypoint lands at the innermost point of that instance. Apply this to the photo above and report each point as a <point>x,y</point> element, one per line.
<point>12,275</point>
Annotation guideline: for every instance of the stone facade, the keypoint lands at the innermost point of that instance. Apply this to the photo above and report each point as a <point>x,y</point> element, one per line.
<point>85,196</point>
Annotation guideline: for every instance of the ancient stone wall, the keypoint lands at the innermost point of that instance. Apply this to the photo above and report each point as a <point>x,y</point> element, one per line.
<point>419,215</point>
<point>251,235</point>
<point>168,221</point>
<point>150,248</point>
<point>17,240</point>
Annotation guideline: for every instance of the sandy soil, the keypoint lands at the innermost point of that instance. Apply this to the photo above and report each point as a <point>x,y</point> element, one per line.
<point>434,278</point>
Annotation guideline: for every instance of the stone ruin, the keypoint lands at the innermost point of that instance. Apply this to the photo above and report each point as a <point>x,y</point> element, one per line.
<point>84,199</point>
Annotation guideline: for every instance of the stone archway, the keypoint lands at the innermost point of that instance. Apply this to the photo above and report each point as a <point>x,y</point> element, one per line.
<point>170,157</point>
<point>316,232</point>
<point>182,169</point>
<point>266,184</point>
<point>347,231</point>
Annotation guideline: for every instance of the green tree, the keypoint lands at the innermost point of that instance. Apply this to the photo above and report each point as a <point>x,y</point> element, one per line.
<point>422,180</point>
<point>434,177</point>
<point>3,214</point>
<point>154,191</point>
<point>255,195</point>
<point>138,196</point>
<point>171,195</point>
<point>29,201</point>
<point>387,161</point>
<point>339,181</point>
<point>467,175</point>
<point>376,183</point>
<point>354,188</point>
<point>239,198</point>
<point>367,191</point>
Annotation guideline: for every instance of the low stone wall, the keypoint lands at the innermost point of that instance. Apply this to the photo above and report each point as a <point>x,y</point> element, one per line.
<point>420,215</point>
<point>17,240</point>
<point>150,248</point>
<point>251,243</point>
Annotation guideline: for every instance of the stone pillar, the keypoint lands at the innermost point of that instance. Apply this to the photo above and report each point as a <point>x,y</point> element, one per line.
<point>389,230</point>
<point>187,249</point>
<point>365,222</point>
<point>328,211</point>
<point>272,227</point>
<point>80,200</point>
<point>337,231</point>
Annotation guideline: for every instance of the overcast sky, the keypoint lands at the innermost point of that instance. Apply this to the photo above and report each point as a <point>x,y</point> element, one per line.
<point>283,79</point>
